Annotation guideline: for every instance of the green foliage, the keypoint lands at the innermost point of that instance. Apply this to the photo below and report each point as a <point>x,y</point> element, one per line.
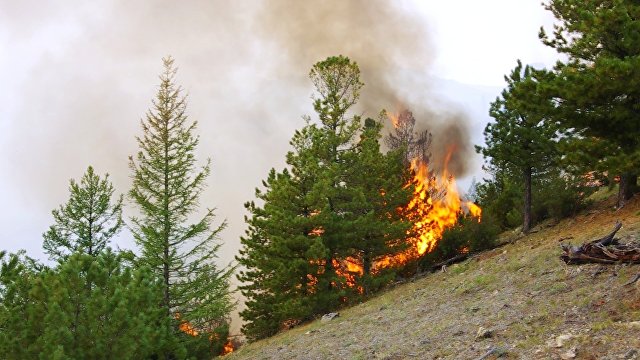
<point>501,198</point>
<point>559,196</point>
<point>89,307</point>
<point>166,188</point>
<point>467,235</point>
<point>555,195</point>
<point>376,183</point>
<point>87,221</point>
<point>204,345</point>
<point>597,89</point>
<point>335,203</point>
<point>521,141</point>
<point>520,137</point>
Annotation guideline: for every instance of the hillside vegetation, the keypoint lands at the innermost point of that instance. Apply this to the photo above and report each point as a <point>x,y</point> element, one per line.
<point>528,303</point>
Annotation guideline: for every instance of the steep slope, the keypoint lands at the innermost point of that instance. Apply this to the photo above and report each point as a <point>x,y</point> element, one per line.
<point>532,304</point>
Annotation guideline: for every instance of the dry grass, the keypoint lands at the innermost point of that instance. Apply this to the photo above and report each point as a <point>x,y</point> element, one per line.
<point>522,292</point>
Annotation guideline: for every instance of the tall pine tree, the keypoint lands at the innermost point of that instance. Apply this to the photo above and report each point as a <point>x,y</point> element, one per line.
<point>166,187</point>
<point>521,139</point>
<point>88,220</point>
<point>337,84</point>
<point>597,90</point>
<point>333,205</point>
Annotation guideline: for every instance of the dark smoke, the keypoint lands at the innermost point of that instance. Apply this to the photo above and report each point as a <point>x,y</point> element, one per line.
<point>391,44</point>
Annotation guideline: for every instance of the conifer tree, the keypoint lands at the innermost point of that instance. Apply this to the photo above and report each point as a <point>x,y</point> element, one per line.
<point>281,249</point>
<point>329,206</point>
<point>87,221</point>
<point>378,184</point>
<point>521,139</point>
<point>53,314</point>
<point>597,89</point>
<point>167,185</point>
<point>337,84</point>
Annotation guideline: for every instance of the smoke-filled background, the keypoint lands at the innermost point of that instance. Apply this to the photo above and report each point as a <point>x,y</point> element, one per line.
<point>76,77</point>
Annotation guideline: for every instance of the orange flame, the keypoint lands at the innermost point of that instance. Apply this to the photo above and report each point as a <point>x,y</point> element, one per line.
<point>434,207</point>
<point>186,326</point>
<point>227,348</point>
<point>348,269</point>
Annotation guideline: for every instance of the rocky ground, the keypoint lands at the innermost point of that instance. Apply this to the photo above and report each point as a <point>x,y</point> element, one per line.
<point>518,301</point>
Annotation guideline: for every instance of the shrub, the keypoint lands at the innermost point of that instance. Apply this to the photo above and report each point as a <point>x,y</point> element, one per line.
<point>468,235</point>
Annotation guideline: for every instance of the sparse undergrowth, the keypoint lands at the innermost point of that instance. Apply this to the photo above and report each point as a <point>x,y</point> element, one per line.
<point>534,306</point>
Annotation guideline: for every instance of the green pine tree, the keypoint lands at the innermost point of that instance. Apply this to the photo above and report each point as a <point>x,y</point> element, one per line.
<point>597,89</point>
<point>89,307</point>
<point>87,221</point>
<point>377,183</point>
<point>336,202</point>
<point>521,140</point>
<point>166,187</point>
<point>337,84</point>
<point>281,252</point>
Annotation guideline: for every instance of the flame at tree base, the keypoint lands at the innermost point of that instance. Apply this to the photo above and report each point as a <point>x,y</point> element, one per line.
<point>435,206</point>
<point>227,348</point>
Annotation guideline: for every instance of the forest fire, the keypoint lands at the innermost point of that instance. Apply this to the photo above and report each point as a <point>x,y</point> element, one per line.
<point>187,328</point>
<point>434,207</point>
<point>227,348</point>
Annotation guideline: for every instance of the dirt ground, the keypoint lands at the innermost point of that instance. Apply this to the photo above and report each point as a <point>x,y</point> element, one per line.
<point>522,300</point>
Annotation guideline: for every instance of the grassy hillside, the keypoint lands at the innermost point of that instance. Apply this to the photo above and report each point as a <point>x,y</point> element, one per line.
<point>533,305</point>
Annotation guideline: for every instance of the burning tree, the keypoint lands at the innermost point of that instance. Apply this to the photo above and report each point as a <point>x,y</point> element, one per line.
<point>326,218</point>
<point>377,182</point>
<point>166,188</point>
<point>435,204</point>
<point>414,145</point>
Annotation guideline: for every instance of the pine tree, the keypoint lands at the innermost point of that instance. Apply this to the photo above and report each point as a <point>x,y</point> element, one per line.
<point>87,221</point>
<point>282,248</point>
<point>335,203</point>
<point>166,187</point>
<point>337,84</point>
<point>377,182</point>
<point>597,90</point>
<point>54,314</point>
<point>522,138</point>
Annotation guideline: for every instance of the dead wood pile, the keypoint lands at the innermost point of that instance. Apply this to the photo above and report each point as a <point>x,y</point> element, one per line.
<point>606,250</point>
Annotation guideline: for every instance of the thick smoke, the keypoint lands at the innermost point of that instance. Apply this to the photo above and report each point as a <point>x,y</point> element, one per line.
<point>78,77</point>
<point>391,43</point>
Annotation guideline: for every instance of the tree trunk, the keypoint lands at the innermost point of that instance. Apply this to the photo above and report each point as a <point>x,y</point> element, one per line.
<point>628,186</point>
<point>367,264</point>
<point>526,223</point>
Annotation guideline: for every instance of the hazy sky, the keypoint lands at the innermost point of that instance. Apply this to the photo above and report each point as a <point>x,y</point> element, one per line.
<point>77,76</point>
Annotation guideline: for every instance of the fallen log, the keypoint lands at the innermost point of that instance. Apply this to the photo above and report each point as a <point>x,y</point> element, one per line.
<point>443,264</point>
<point>606,250</point>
